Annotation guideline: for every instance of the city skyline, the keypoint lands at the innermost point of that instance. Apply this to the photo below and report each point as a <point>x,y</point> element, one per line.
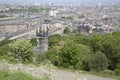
<point>59,1</point>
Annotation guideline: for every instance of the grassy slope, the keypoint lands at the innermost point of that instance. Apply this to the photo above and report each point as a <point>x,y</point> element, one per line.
<point>5,75</point>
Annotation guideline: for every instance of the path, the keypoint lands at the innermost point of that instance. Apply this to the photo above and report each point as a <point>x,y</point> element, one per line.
<point>54,74</point>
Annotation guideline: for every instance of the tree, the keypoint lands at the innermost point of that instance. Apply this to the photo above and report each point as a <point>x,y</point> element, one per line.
<point>95,43</point>
<point>74,31</point>
<point>109,46</point>
<point>98,61</point>
<point>33,41</point>
<point>70,18</point>
<point>66,30</point>
<point>82,16</point>
<point>54,40</point>
<point>21,51</point>
<point>52,55</point>
<point>95,62</point>
<point>69,56</point>
<point>81,39</point>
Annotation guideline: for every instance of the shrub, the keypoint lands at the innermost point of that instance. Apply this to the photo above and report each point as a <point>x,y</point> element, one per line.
<point>52,55</point>
<point>69,56</point>
<point>95,62</point>
<point>98,62</point>
<point>54,40</point>
<point>110,72</point>
<point>66,30</point>
<point>117,72</point>
<point>21,51</point>
<point>33,41</point>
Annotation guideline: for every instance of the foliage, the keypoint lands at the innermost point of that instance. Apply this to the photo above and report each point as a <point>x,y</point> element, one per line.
<point>3,16</point>
<point>110,47</point>
<point>5,75</point>
<point>6,41</point>
<point>4,49</point>
<point>52,55</point>
<point>21,51</point>
<point>33,41</point>
<point>94,43</point>
<point>117,72</point>
<point>66,30</point>
<point>110,72</point>
<point>69,56</point>
<point>95,62</point>
<point>41,58</point>
<point>74,31</point>
<point>98,52</point>
<point>81,39</point>
<point>79,17</point>
<point>69,18</point>
<point>53,40</point>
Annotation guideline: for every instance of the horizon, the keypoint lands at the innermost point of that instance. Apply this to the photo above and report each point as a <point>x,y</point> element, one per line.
<point>19,2</point>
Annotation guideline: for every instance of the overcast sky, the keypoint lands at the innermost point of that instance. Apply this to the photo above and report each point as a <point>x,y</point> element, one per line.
<point>60,1</point>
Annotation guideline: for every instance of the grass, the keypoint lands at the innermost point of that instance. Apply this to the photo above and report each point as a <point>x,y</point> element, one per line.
<point>5,75</point>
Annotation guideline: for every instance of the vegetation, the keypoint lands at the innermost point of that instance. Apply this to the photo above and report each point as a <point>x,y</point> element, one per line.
<point>5,75</point>
<point>69,56</point>
<point>33,41</point>
<point>82,16</point>
<point>53,40</point>
<point>97,62</point>
<point>66,30</point>
<point>3,16</point>
<point>21,51</point>
<point>96,53</point>
<point>75,51</point>
<point>4,48</point>
<point>68,18</point>
<point>31,9</point>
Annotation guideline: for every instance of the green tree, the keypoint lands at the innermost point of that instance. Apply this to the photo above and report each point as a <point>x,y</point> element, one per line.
<point>95,43</point>
<point>95,62</point>
<point>21,51</point>
<point>98,61</point>
<point>82,16</point>
<point>66,30</point>
<point>70,18</point>
<point>69,56</point>
<point>81,39</point>
<point>109,46</point>
<point>33,41</point>
<point>53,40</point>
<point>52,55</point>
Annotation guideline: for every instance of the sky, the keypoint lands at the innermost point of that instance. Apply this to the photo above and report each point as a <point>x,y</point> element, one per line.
<point>60,1</point>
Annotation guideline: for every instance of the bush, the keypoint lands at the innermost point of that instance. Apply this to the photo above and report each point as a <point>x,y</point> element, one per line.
<point>81,39</point>
<point>33,41</point>
<point>21,51</point>
<point>66,30</point>
<point>117,72</point>
<point>41,58</point>
<point>52,55</point>
<point>69,56</point>
<point>54,40</point>
<point>97,62</point>
<point>110,72</point>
